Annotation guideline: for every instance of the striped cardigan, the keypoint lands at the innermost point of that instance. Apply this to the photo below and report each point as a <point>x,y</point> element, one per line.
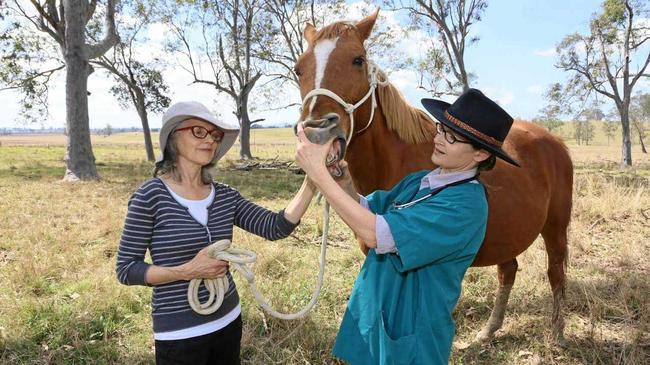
<point>155,221</point>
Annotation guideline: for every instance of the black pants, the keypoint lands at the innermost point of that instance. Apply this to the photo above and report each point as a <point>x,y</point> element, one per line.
<point>220,347</point>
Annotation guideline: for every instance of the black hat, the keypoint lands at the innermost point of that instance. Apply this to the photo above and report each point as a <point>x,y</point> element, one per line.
<point>476,117</point>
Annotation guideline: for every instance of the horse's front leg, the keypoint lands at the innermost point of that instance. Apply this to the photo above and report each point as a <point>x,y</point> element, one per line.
<point>507,271</point>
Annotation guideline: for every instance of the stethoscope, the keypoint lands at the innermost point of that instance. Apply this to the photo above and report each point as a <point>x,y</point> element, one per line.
<point>432,193</point>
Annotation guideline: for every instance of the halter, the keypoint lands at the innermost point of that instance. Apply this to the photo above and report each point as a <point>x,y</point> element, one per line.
<point>373,79</point>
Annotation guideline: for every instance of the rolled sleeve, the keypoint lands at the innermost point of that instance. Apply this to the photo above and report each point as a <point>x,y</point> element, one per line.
<point>384,237</point>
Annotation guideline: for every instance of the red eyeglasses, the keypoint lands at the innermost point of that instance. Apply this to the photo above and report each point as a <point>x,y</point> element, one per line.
<point>202,132</point>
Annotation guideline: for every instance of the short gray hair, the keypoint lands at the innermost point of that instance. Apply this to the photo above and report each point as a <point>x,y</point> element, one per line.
<point>168,164</point>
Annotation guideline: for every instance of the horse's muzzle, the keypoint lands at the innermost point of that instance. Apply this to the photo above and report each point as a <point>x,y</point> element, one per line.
<point>320,131</point>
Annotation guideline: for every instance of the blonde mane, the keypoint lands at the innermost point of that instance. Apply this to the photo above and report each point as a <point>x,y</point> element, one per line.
<point>412,125</point>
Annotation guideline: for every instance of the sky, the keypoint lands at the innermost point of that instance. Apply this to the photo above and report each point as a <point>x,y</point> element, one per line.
<point>514,61</point>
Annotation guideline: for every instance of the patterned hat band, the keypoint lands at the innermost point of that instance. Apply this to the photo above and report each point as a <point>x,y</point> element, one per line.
<point>459,123</point>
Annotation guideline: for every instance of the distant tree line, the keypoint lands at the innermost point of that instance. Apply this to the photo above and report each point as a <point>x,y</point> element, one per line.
<point>246,51</point>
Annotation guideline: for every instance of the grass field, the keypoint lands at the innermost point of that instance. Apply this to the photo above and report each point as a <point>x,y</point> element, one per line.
<point>61,303</point>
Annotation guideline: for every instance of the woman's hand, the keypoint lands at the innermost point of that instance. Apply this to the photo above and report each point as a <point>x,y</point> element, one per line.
<point>202,266</point>
<point>311,156</point>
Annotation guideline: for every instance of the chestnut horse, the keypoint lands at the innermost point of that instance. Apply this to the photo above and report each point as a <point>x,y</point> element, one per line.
<point>395,139</point>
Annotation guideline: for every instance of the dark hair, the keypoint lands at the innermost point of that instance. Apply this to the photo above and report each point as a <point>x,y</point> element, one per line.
<point>488,163</point>
<point>168,164</point>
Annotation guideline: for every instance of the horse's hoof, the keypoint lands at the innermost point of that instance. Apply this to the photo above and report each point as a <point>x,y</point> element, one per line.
<point>484,336</point>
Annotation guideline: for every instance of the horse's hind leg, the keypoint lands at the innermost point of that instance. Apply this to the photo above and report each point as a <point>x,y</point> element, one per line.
<point>555,239</point>
<point>506,273</point>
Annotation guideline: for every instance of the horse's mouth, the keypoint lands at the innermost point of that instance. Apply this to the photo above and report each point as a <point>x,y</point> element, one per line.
<point>320,131</point>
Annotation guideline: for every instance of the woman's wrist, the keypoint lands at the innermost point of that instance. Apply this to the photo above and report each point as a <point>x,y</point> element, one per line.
<point>181,272</point>
<point>319,175</point>
<point>157,275</point>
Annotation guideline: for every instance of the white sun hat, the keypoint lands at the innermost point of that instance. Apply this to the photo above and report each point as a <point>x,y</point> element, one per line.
<point>184,110</point>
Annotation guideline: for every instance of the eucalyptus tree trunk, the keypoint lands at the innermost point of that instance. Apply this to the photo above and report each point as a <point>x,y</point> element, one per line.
<point>245,129</point>
<point>80,161</point>
<point>626,147</point>
<point>144,119</point>
<point>639,130</point>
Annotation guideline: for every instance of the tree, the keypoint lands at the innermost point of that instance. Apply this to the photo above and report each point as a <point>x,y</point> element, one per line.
<point>610,128</point>
<point>599,62</point>
<point>583,131</point>
<point>137,83</point>
<point>640,117</point>
<point>443,68</point>
<point>288,19</point>
<point>28,60</point>
<point>549,116</point>
<point>64,22</point>
<point>107,131</point>
<point>231,31</point>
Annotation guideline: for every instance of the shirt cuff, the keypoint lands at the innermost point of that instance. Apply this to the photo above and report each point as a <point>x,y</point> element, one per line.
<point>137,273</point>
<point>284,225</point>
<point>384,237</point>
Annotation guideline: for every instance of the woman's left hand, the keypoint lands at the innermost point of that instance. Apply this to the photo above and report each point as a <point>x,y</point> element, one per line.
<point>311,156</point>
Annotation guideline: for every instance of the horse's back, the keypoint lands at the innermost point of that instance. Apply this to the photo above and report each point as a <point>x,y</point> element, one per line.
<point>521,198</point>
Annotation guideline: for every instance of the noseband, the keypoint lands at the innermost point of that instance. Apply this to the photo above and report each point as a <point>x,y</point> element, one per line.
<point>373,78</point>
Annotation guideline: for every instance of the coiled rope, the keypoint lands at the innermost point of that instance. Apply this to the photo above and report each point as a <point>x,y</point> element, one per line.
<point>242,261</point>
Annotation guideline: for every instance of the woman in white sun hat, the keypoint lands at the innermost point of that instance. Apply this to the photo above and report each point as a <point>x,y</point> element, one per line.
<point>175,216</point>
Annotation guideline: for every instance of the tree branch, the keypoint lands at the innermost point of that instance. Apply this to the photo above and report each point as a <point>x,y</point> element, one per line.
<point>111,37</point>
<point>47,74</point>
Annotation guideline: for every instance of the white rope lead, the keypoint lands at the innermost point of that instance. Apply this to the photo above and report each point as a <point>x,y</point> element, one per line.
<point>242,261</point>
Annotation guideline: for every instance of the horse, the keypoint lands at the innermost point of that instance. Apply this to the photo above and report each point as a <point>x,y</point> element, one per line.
<point>346,95</point>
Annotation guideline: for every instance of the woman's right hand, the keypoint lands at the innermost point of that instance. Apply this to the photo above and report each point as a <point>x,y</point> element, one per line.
<point>202,266</point>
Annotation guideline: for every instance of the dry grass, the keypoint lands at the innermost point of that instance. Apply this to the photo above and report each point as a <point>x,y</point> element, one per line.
<point>61,302</point>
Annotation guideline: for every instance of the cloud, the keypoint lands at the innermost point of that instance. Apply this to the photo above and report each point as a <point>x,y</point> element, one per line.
<point>549,52</point>
<point>503,97</point>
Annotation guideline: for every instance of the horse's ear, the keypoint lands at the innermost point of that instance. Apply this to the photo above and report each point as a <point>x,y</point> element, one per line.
<point>309,33</point>
<point>364,26</point>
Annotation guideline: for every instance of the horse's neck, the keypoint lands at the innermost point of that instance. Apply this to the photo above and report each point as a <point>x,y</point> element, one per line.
<point>378,159</point>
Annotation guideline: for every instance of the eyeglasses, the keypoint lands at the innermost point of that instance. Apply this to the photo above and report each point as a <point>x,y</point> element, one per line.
<point>449,135</point>
<point>202,132</point>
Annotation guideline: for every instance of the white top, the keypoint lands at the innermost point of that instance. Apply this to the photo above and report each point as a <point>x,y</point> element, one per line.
<point>200,330</point>
<point>197,208</point>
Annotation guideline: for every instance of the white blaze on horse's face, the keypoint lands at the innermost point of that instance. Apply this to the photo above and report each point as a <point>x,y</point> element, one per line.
<point>322,51</point>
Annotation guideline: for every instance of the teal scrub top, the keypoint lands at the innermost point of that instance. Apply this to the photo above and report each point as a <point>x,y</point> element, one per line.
<point>400,309</point>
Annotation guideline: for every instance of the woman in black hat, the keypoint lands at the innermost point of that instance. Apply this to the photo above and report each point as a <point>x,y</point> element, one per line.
<point>422,235</point>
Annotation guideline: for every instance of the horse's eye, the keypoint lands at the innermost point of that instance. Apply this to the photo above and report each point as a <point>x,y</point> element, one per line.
<point>358,61</point>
